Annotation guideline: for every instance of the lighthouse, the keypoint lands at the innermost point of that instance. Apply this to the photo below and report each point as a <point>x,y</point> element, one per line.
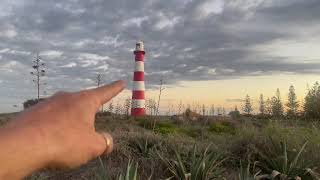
<point>138,97</point>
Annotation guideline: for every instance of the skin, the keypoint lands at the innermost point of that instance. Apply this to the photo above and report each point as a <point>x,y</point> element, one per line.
<point>56,133</point>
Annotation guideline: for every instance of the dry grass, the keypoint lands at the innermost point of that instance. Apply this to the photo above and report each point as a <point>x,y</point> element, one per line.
<point>139,144</point>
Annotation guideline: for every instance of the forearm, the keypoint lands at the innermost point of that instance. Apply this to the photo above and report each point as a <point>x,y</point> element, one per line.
<point>23,149</point>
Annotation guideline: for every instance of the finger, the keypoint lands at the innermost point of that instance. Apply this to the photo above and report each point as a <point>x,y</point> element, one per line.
<point>105,144</point>
<point>107,92</point>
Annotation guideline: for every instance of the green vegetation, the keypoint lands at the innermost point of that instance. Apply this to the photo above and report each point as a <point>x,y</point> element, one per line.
<point>245,148</point>
<point>279,161</point>
<point>131,172</point>
<point>200,167</point>
<point>222,127</point>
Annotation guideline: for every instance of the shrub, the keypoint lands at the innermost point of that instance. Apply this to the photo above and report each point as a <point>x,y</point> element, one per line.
<point>222,127</point>
<point>31,102</point>
<point>101,173</point>
<point>245,174</point>
<point>166,128</point>
<point>191,131</point>
<point>143,145</point>
<point>145,122</point>
<point>277,160</point>
<point>131,172</point>
<point>201,167</point>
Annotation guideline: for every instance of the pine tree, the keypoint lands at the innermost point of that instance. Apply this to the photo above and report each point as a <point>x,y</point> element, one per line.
<point>268,107</point>
<point>276,104</point>
<point>212,110</point>
<point>247,107</point>
<point>262,106</point>
<point>111,107</point>
<point>235,113</point>
<point>293,103</point>
<point>127,106</point>
<point>312,102</point>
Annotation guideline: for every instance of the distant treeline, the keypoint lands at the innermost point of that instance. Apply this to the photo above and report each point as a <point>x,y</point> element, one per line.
<point>274,106</point>
<point>268,107</point>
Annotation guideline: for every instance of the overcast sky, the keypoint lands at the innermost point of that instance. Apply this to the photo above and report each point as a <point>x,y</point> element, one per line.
<point>186,41</point>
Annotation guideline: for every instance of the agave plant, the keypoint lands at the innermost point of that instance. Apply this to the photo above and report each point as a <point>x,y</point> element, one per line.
<point>101,173</point>
<point>282,163</point>
<point>203,167</point>
<point>143,146</point>
<point>131,172</point>
<point>245,173</point>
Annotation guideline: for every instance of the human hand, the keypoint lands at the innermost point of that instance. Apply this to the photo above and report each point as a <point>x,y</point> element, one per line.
<point>62,127</point>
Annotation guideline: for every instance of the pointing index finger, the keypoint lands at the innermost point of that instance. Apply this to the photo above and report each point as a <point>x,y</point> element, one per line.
<point>107,92</point>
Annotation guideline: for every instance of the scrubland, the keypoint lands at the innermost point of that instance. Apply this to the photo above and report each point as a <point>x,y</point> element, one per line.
<point>208,148</point>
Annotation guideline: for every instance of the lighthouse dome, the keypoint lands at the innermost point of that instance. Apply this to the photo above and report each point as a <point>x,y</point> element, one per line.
<point>139,46</point>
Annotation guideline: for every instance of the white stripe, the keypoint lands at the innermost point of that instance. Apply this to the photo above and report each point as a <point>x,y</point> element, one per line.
<point>138,103</point>
<point>138,86</point>
<point>139,66</point>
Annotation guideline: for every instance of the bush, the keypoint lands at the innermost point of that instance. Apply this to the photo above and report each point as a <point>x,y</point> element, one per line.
<point>202,166</point>
<point>278,160</point>
<point>191,131</point>
<point>144,145</point>
<point>162,127</point>
<point>145,122</point>
<point>222,127</point>
<point>131,172</point>
<point>31,102</point>
<point>166,128</point>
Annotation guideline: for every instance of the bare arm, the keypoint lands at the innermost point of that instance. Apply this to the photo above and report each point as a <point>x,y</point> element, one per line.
<point>58,132</point>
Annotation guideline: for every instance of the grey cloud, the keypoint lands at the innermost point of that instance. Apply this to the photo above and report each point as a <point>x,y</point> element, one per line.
<point>180,46</point>
<point>235,100</point>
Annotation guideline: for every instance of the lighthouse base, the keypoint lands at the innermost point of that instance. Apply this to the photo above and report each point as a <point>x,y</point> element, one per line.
<point>138,112</point>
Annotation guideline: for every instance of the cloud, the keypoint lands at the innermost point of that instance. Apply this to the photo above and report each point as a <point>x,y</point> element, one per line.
<point>185,40</point>
<point>235,100</point>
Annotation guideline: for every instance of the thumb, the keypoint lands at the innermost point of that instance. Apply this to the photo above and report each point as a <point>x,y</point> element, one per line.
<point>105,143</point>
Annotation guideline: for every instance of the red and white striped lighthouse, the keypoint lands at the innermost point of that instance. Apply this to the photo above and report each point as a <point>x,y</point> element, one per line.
<point>138,98</point>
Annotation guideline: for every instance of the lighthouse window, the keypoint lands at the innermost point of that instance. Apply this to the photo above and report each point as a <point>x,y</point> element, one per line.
<point>138,46</point>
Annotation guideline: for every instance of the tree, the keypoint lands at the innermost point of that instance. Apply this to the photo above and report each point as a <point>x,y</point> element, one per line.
<point>161,88</point>
<point>203,110</point>
<point>268,107</point>
<point>312,102</point>
<point>212,110</point>
<point>247,107</point>
<point>219,111</point>
<point>31,102</point>
<point>38,73</point>
<point>223,111</point>
<point>180,107</point>
<point>235,113</point>
<point>292,103</point>
<point>127,106</point>
<point>276,105</point>
<point>117,109</point>
<point>98,81</point>
<point>262,106</point>
<point>111,107</point>
<point>188,113</point>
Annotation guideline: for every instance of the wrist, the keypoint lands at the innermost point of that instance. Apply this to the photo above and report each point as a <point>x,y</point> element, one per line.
<point>26,151</point>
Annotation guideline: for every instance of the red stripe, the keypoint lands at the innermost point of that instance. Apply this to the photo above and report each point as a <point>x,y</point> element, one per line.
<point>138,95</point>
<point>138,76</point>
<point>139,55</point>
<point>138,112</point>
